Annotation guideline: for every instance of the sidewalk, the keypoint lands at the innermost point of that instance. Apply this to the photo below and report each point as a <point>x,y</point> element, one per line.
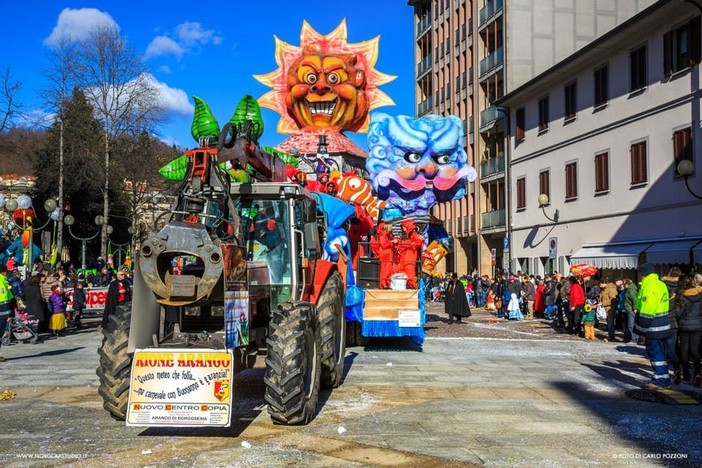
<point>484,324</point>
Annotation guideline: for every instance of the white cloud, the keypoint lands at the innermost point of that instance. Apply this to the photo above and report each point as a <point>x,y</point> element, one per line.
<point>165,69</point>
<point>186,37</point>
<point>77,24</point>
<point>37,118</point>
<point>173,100</point>
<point>191,34</point>
<point>163,45</point>
<point>169,140</point>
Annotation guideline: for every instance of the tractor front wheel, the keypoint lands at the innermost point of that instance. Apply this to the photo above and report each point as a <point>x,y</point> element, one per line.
<point>293,364</point>
<point>115,364</point>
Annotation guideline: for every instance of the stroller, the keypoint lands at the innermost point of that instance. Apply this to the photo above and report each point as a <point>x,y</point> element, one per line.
<point>24,330</point>
<point>551,312</point>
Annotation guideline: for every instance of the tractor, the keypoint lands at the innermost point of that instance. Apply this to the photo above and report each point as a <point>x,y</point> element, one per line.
<point>260,241</point>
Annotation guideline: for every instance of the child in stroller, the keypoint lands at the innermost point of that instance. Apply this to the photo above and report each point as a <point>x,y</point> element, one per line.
<point>22,329</point>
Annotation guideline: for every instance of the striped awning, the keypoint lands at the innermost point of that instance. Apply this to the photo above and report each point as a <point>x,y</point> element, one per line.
<point>610,256</point>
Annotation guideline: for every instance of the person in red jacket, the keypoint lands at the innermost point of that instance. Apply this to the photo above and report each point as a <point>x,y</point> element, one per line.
<point>408,249</point>
<point>577,301</point>
<point>382,247</point>
<point>539,298</point>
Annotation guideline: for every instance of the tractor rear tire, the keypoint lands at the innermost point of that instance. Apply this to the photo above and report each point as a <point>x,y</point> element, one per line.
<point>115,363</point>
<point>293,364</point>
<point>332,321</point>
<point>353,334</point>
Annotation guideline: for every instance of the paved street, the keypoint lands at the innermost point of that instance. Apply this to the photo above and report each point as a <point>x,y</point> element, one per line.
<point>459,402</point>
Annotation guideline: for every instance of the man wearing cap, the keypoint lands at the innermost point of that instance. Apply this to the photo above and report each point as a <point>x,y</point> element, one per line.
<point>7,304</point>
<point>653,322</point>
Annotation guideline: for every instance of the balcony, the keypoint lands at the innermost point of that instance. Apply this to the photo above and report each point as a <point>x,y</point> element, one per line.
<point>492,166</point>
<point>470,124</point>
<point>424,66</point>
<point>490,118</point>
<point>491,62</point>
<point>459,227</point>
<point>425,106</point>
<point>423,25</point>
<point>488,12</point>
<point>472,224</point>
<point>470,76</point>
<point>493,219</point>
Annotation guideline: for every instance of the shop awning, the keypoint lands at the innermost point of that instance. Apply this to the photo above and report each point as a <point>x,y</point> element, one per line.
<point>697,254</point>
<point>610,256</point>
<point>670,252</point>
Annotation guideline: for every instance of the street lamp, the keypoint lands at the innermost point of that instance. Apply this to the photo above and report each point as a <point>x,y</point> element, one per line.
<point>11,205</point>
<point>686,168</point>
<point>69,221</point>
<point>543,203</point>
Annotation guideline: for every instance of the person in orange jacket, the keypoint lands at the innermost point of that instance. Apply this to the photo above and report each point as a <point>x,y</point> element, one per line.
<point>408,249</point>
<point>383,249</point>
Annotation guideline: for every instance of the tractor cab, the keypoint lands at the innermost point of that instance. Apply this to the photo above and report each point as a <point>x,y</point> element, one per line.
<point>278,229</point>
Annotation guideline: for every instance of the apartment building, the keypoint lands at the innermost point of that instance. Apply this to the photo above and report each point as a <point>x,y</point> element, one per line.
<point>604,155</point>
<point>469,53</point>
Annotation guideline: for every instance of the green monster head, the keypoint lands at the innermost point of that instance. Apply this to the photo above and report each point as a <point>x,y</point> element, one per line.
<point>247,118</point>
<point>205,126</point>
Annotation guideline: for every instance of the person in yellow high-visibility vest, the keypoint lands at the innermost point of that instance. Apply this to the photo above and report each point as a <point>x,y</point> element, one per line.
<point>7,305</point>
<point>653,322</point>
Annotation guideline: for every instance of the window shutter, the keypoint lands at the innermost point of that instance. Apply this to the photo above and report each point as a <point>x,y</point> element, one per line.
<point>695,41</point>
<point>668,54</point>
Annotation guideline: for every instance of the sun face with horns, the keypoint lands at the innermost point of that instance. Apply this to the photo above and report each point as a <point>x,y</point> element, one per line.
<point>326,83</point>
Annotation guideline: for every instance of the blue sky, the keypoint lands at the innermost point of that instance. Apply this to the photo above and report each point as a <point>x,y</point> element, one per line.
<point>209,49</point>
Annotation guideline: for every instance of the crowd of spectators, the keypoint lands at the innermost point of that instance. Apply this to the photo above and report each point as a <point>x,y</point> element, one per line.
<point>619,307</point>
<point>40,298</point>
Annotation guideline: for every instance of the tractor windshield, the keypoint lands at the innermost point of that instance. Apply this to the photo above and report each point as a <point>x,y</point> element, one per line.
<point>265,230</point>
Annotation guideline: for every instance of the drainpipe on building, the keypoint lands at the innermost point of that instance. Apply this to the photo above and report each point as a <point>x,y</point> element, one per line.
<point>508,217</point>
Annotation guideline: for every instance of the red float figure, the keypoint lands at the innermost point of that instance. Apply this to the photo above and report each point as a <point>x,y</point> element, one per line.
<point>383,248</point>
<point>358,227</point>
<point>408,250</point>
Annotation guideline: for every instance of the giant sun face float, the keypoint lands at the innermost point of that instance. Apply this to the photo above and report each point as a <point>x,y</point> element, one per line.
<point>326,83</point>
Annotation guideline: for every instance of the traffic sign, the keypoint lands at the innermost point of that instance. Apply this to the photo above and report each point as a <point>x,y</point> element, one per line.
<point>553,247</point>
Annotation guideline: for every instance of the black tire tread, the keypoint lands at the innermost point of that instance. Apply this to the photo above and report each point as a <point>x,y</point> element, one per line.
<point>286,364</point>
<point>115,367</point>
<point>332,320</point>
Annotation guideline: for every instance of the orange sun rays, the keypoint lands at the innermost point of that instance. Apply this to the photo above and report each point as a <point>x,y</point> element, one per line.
<point>333,43</point>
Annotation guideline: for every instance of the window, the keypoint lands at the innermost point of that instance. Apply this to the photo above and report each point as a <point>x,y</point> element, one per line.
<point>681,47</point>
<point>544,183</point>
<point>520,124</point>
<point>571,176</point>
<point>601,172</point>
<point>638,163</point>
<point>521,193</point>
<point>543,114</point>
<point>601,86</point>
<point>571,101</point>
<point>682,146</point>
<point>638,63</point>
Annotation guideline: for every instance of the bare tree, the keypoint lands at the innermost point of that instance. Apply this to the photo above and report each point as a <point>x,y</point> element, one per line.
<point>141,159</point>
<point>9,105</point>
<point>117,84</point>
<point>61,70</point>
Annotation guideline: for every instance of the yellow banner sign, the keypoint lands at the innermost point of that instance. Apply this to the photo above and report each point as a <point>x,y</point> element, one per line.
<point>181,387</point>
